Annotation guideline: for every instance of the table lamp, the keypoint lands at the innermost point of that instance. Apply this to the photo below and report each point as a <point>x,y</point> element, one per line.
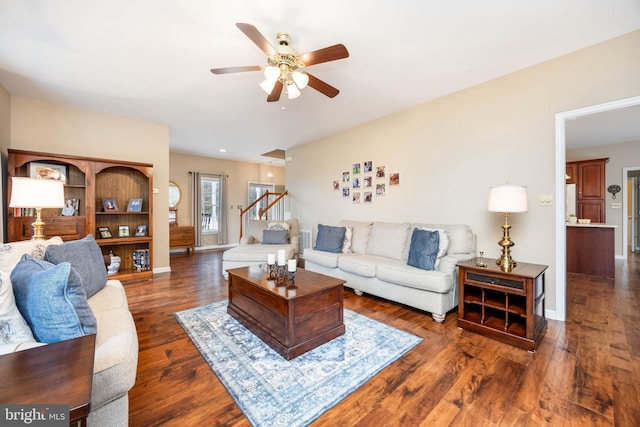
<point>36,193</point>
<point>507,199</point>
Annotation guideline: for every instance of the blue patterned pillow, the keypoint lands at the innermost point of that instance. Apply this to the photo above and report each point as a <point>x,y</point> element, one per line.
<point>423,251</point>
<point>52,300</point>
<point>330,239</point>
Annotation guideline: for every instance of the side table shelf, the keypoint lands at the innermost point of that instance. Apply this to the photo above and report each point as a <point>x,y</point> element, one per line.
<point>507,306</point>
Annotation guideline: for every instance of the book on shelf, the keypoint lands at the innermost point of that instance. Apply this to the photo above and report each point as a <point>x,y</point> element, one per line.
<point>141,261</point>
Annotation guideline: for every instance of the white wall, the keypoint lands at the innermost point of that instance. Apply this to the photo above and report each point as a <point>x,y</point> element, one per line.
<point>451,150</point>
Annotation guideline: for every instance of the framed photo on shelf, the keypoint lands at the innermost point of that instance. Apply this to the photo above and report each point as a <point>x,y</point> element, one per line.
<point>104,232</point>
<point>48,171</point>
<point>134,205</point>
<point>123,231</point>
<point>71,207</point>
<point>110,205</point>
<point>141,230</point>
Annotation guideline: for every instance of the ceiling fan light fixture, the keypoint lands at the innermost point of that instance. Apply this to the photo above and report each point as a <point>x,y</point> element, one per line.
<point>292,90</point>
<point>268,85</point>
<point>301,79</point>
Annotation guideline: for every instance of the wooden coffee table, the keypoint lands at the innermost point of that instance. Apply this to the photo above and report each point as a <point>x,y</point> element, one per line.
<point>292,320</point>
<point>60,373</point>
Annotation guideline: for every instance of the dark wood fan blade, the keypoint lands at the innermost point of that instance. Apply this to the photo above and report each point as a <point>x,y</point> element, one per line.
<point>322,87</point>
<point>227,70</point>
<point>256,37</point>
<point>331,53</point>
<point>275,93</point>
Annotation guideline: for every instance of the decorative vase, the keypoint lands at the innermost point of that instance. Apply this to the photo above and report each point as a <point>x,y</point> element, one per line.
<point>573,219</point>
<point>114,266</point>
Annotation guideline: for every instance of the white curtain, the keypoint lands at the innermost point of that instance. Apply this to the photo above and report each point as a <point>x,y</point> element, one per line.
<point>196,197</point>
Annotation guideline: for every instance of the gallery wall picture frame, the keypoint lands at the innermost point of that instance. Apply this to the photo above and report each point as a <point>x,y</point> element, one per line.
<point>134,205</point>
<point>123,231</point>
<point>110,205</point>
<point>141,230</point>
<point>394,178</point>
<point>105,233</point>
<point>48,171</point>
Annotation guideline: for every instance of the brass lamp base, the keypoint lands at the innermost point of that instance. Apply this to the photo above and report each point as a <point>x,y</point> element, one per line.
<point>505,262</point>
<point>38,226</point>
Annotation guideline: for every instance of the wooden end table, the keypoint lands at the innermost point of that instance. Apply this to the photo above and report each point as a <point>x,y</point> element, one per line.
<point>507,306</point>
<point>59,373</point>
<point>293,319</point>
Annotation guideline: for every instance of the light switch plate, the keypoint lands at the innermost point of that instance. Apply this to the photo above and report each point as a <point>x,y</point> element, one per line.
<point>545,200</point>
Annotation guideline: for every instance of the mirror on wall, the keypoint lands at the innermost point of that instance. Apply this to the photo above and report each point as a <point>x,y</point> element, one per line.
<point>174,194</point>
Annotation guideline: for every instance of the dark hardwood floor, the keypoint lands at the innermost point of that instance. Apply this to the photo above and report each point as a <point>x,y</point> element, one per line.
<point>586,372</point>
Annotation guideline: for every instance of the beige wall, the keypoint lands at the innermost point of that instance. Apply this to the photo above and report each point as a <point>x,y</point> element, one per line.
<point>53,128</point>
<point>626,155</point>
<point>451,150</point>
<point>238,176</point>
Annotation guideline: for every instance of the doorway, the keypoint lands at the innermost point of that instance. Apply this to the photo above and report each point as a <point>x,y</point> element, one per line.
<point>561,241</point>
<point>631,205</point>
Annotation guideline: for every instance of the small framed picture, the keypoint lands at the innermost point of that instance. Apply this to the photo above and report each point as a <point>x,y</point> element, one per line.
<point>123,231</point>
<point>104,232</point>
<point>134,205</point>
<point>48,171</point>
<point>110,205</point>
<point>141,230</point>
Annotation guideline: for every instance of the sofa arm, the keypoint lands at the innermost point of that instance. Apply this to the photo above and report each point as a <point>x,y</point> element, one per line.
<point>295,241</point>
<point>247,240</point>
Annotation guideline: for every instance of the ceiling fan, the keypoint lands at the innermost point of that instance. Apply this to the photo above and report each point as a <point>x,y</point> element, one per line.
<point>284,65</point>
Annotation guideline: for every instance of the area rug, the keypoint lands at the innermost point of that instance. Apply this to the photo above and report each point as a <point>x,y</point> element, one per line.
<point>272,391</point>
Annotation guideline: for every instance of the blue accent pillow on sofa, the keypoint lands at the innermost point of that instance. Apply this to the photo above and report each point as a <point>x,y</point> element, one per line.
<point>330,239</point>
<point>423,251</point>
<point>275,237</point>
<point>52,300</point>
<point>85,257</point>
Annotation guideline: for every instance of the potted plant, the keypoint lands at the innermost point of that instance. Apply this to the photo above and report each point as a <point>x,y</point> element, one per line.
<point>573,219</point>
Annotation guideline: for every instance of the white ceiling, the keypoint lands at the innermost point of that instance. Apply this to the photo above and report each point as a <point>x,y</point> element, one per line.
<point>150,59</point>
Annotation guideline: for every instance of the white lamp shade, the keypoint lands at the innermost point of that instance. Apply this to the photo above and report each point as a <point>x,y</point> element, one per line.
<point>300,79</point>
<point>36,193</point>
<point>267,86</point>
<point>508,198</point>
<point>271,73</point>
<point>292,91</point>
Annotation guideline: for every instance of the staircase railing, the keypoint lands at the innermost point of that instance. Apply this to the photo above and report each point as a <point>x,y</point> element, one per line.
<point>264,212</point>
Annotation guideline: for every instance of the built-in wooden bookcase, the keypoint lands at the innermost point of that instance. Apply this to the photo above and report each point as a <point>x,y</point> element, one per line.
<point>91,181</point>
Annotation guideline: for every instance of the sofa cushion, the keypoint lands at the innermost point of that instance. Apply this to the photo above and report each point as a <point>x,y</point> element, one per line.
<point>423,250</point>
<point>13,328</point>
<point>326,259</point>
<point>257,252</point>
<point>443,244</point>
<point>52,300</point>
<point>362,265</point>
<point>400,273</point>
<point>275,237</point>
<point>360,237</point>
<point>330,239</point>
<point>388,240</point>
<point>10,253</point>
<point>461,239</point>
<point>85,257</point>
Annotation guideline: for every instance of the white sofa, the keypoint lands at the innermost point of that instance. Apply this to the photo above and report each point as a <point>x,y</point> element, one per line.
<point>377,264</point>
<point>116,347</point>
<point>253,251</point>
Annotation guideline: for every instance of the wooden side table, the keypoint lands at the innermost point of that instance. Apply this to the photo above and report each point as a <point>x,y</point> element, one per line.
<point>507,306</point>
<point>59,373</point>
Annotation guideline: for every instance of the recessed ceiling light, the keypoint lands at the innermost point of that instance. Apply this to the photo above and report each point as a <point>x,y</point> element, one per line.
<point>283,108</point>
<point>223,150</point>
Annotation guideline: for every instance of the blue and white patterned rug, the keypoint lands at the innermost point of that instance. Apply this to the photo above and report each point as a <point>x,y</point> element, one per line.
<point>272,391</point>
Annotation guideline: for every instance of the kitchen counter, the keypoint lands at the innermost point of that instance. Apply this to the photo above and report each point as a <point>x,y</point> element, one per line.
<point>590,250</point>
<point>593,225</point>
